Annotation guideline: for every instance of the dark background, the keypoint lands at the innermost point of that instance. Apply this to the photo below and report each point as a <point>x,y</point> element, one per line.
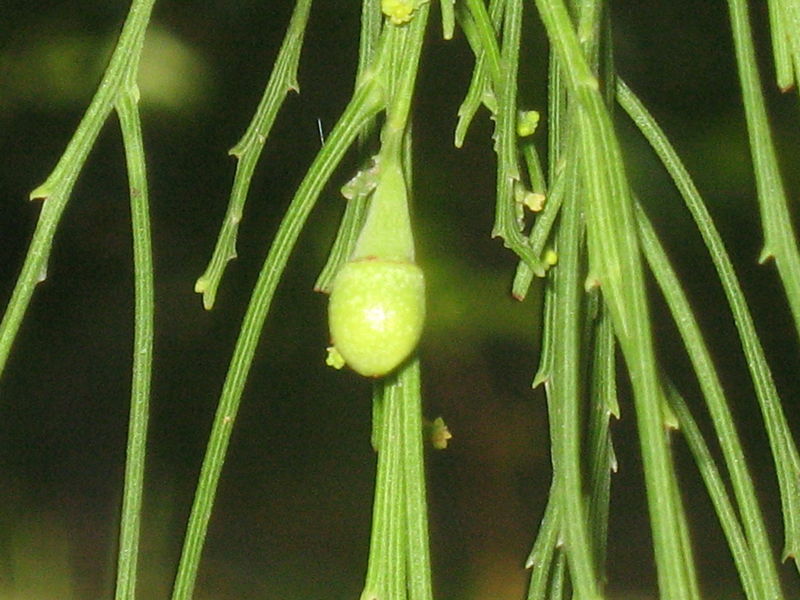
<point>293,510</point>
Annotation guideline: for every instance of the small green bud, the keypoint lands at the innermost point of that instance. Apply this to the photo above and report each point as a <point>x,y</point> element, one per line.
<point>533,200</point>
<point>527,122</point>
<point>398,11</point>
<point>436,432</point>
<point>334,359</point>
<point>376,312</point>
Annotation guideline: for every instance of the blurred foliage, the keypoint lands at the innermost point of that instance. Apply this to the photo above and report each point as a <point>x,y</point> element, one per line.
<point>293,512</point>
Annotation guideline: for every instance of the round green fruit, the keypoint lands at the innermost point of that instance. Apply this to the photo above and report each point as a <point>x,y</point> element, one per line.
<point>376,312</point>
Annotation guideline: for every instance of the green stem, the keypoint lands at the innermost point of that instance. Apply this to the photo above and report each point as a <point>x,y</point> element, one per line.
<point>503,76</point>
<point>565,390</point>
<point>248,150</point>
<point>784,450</point>
<point>782,49</point>
<point>780,241</point>
<point>741,551</point>
<point>756,567</point>
<point>539,236</point>
<point>485,32</point>
<point>399,557</point>
<point>57,188</point>
<point>365,104</point>
<point>142,345</point>
<point>480,89</point>
<point>615,265</point>
<point>545,547</point>
<point>387,233</point>
<point>505,222</point>
<point>342,249</point>
<point>556,104</point>
<point>601,460</point>
<point>418,548</point>
<point>388,518</point>
<point>352,220</point>
<point>545,369</point>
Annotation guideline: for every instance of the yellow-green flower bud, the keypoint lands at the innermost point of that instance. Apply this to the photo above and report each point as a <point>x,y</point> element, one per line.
<point>527,122</point>
<point>376,312</point>
<point>398,11</point>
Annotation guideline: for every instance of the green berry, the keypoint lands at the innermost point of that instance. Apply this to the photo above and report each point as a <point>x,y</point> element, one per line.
<point>376,313</point>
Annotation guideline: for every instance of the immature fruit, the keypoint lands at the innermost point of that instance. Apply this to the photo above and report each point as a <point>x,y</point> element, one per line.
<point>376,312</point>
